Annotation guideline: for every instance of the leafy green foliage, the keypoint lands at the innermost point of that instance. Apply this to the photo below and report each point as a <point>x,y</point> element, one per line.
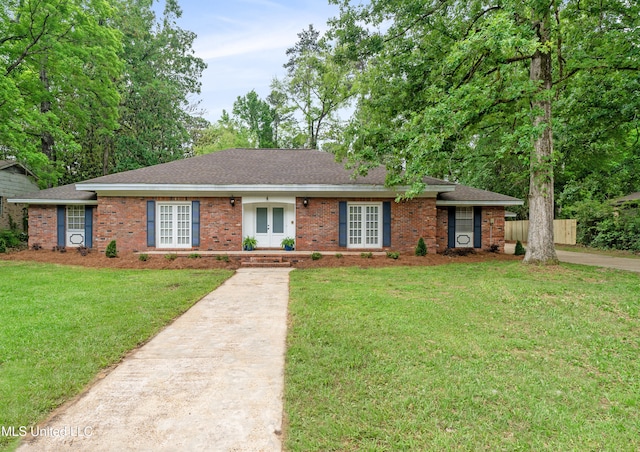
<point>11,238</point>
<point>161,72</point>
<point>601,225</point>
<point>90,86</point>
<point>3,245</point>
<point>467,91</point>
<point>59,63</point>
<point>225,134</point>
<point>519,251</point>
<point>143,257</point>
<point>257,117</point>
<point>249,243</point>
<point>393,254</point>
<point>421,248</point>
<point>316,86</point>
<point>316,256</point>
<point>111,250</point>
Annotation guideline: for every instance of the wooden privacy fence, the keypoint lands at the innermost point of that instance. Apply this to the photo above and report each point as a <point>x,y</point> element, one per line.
<point>564,231</point>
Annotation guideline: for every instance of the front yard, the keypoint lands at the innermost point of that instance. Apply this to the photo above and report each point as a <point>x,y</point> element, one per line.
<point>61,326</point>
<point>489,356</point>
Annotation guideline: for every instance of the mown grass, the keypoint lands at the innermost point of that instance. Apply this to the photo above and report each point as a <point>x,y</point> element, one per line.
<point>59,326</point>
<point>493,356</point>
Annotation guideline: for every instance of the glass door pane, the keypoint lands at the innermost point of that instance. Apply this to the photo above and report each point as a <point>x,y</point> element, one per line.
<point>261,220</point>
<point>278,220</point>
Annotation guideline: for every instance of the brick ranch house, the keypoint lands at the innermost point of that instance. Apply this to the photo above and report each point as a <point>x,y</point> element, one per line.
<point>212,202</point>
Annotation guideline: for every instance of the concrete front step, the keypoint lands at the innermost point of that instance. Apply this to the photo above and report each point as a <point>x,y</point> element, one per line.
<point>266,264</point>
<point>265,261</point>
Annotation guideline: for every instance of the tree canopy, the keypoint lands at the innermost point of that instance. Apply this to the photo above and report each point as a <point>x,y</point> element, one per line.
<point>88,87</point>
<point>479,90</point>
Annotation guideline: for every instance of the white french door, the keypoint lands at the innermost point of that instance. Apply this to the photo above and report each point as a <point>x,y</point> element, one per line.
<point>174,225</point>
<point>364,225</point>
<point>270,226</point>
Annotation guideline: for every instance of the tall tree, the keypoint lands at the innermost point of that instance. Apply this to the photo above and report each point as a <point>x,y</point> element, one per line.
<point>226,133</point>
<point>59,66</point>
<point>257,117</point>
<point>316,84</point>
<point>445,78</point>
<point>161,72</point>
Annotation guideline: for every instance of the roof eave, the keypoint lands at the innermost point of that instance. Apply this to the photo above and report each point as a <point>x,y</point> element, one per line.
<point>86,202</point>
<point>516,202</point>
<point>238,189</point>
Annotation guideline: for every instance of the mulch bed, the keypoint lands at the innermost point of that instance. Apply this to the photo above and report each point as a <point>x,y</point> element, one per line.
<point>130,260</point>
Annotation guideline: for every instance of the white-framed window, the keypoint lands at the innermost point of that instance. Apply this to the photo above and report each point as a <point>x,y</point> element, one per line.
<point>75,218</point>
<point>174,225</point>
<point>364,224</point>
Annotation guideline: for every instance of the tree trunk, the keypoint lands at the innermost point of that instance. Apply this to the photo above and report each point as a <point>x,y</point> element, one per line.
<point>540,247</point>
<point>46,139</point>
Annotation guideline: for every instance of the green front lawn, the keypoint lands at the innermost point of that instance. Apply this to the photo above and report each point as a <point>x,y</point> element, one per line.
<point>59,326</point>
<point>493,356</point>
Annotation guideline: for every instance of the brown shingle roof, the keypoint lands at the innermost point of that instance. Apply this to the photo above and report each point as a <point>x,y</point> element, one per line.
<point>632,197</point>
<point>462,193</point>
<point>251,167</point>
<point>64,192</point>
<point>246,167</point>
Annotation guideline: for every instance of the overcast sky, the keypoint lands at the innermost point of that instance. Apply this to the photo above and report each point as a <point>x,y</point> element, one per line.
<point>244,42</point>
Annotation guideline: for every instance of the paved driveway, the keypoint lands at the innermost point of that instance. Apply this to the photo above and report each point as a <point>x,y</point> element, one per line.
<point>212,380</point>
<point>597,260</point>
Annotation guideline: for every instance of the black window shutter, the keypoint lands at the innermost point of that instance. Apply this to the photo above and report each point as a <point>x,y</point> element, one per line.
<point>452,227</point>
<point>477,227</point>
<point>151,223</point>
<point>61,225</point>
<point>88,226</point>
<point>195,223</point>
<point>386,223</point>
<point>342,223</point>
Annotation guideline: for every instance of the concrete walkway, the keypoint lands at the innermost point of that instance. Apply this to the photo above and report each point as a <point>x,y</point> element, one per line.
<point>212,380</point>
<point>597,260</point>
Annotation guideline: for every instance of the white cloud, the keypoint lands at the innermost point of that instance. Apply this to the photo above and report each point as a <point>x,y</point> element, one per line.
<point>244,44</point>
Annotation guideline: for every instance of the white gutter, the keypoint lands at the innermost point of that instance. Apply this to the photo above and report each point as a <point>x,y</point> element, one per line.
<point>259,188</point>
<point>480,203</point>
<point>85,202</point>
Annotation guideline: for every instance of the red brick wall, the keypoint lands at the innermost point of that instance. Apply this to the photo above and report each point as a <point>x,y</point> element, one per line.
<point>43,221</point>
<point>124,219</point>
<point>411,220</point>
<point>220,224</point>
<point>442,230</point>
<point>317,225</point>
<point>491,233</point>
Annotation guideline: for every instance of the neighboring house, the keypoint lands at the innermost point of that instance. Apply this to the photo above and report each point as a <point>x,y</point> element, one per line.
<point>633,198</point>
<point>212,201</point>
<point>15,180</point>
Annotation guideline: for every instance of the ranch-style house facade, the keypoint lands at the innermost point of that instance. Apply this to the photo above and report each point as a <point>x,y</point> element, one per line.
<point>212,202</point>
